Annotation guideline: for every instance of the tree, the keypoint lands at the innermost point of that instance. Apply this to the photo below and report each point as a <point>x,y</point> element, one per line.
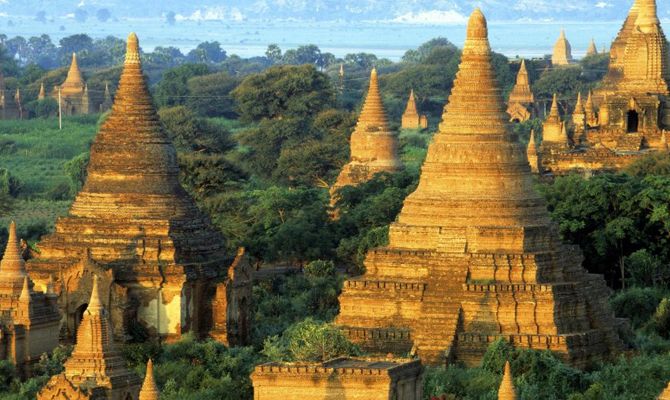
<point>210,95</point>
<point>79,43</point>
<point>362,60</point>
<point>189,132</point>
<point>207,53</point>
<point>172,90</point>
<point>283,92</point>
<point>273,53</point>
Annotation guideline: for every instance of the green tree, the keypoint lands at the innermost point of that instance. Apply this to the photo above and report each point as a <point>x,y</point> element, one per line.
<point>172,90</point>
<point>283,92</point>
<point>189,132</point>
<point>207,53</point>
<point>210,95</point>
<point>273,53</point>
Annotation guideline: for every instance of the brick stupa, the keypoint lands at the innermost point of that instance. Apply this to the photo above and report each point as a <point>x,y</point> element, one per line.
<point>507,391</point>
<point>374,146</point>
<point>161,263</point>
<point>96,369</point>
<point>562,54</point>
<point>473,256</point>
<point>411,118</point>
<point>628,115</point>
<point>521,100</point>
<point>666,394</point>
<point>29,318</point>
<point>73,92</point>
<point>149,388</point>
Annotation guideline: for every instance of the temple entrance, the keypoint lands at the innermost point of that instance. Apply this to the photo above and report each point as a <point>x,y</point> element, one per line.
<point>78,316</point>
<point>633,121</point>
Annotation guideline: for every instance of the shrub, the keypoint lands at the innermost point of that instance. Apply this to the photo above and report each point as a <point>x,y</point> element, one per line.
<point>636,304</point>
<point>320,269</point>
<point>9,184</point>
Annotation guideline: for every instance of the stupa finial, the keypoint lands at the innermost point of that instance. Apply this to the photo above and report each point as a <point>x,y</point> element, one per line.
<point>132,49</point>
<point>149,388</point>
<point>507,390</point>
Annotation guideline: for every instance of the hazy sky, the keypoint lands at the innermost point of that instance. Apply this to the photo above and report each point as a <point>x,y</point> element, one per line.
<point>409,11</point>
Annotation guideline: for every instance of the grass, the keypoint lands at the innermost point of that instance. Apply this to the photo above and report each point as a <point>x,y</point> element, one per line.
<point>34,151</point>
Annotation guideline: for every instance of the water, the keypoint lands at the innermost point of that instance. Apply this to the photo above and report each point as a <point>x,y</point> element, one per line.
<point>389,40</point>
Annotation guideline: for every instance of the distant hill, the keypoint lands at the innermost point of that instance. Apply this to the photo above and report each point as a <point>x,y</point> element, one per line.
<point>417,11</point>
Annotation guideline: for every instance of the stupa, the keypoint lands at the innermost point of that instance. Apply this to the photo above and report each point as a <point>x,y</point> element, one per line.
<point>96,369</point>
<point>562,54</point>
<point>374,146</point>
<point>162,265</point>
<point>629,114</point>
<point>149,388</point>
<point>592,50</point>
<point>73,93</point>
<point>411,118</point>
<point>507,391</point>
<point>521,103</point>
<point>473,256</point>
<point>107,101</point>
<point>9,108</point>
<point>532,153</point>
<point>42,94</point>
<point>29,318</point>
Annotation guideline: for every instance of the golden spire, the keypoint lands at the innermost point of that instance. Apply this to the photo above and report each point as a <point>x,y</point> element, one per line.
<point>132,50</point>
<point>562,54</point>
<point>589,107</point>
<point>42,93</point>
<point>521,92</point>
<point>592,50</point>
<point>507,390</point>
<point>25,291</point>
<point>647,18</point>
<point>531,153</point>
<point>373,116</point>
<point>74,82</point>
<point>149,389</point>
<point>554,114</point>
<point>475,96</point>
<point>579,107</point>
<point>411,104</point>
<point>12,266</point>
<point>95,305</point>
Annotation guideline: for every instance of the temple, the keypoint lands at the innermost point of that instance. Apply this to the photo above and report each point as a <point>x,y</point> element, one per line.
<point>521,103</point>
<point>473,256</point>
<point>29,318</point>
<point>163,267</point>
<point>42,94</point>
<point>340,379</point>
<point>411,118</point>
<point>73,92</point>
<point>107,101</point>
<point>9,107</point>
<point>507,391</point>
<point>629,114</point>
<point>149,389</point>
<point>374,147</point>
<point>96,369</point>
<point>562,54</point>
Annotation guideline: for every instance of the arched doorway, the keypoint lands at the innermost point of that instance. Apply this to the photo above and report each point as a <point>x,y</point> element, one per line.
<point>78,316</point>
<point>633,121</point>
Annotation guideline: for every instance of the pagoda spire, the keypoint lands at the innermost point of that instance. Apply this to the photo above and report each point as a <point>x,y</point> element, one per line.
<point>507,390</point>
<point>411,104</point>
<point>42,93</point>
<point>149,388</point>
<point>554,114</point>
<point>74,80</point>
<point>579,106</point>
<point>647,19</point>
<point>532,153</point>
<point>12,266</point>
<point>592,50</point>
<point>373,115</point>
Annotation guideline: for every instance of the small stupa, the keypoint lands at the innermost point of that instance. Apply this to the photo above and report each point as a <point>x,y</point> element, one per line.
<point>521,100</point>
<point>96,369</point>
<point>473,256</point>
<point>533,155</point>
<point>73,94</point>
<point>411,118</point>
<point>507,391</point>
<point>42,94</point>
<point>107,101</point>
<point>666,394</point>
<point>149,388</point>
<point>374,146</point>
<point>562,54</point>
<point>553,131</point>
<point>592,50</point>
<point>579,115</point>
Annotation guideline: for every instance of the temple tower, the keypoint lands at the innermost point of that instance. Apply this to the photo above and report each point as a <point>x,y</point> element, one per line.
<point>592,50</point>
<point>74,96</point>
<point>411,118</point>
<point>533,155</point>
<point>42,94</point>
<point>107,102</point>
<point>579,115</point>
<point>374,147</point>
<point>160,260</point>
<point>553,132</point>
<point>149,388</point>
<point>473,256</point>
<point>507,391</point>
<point>590,112</point>
<point>96,369</point>
<point>562,54</point>
<point>30,318</point>
<point>521,100</point>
